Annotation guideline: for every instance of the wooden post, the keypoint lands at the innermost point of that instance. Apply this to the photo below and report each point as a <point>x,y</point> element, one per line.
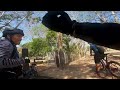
<point>24,55</point>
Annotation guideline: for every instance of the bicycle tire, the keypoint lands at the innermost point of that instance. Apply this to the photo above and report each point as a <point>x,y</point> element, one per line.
<point>114,69</point>
<point>103,73</point>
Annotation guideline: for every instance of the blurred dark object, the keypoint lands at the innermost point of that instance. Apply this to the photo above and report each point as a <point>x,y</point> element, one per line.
<point>103,34</point>
<point>25,57</point>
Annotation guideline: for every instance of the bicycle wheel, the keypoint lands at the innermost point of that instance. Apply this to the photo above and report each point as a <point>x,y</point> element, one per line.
<point>103,72</point>
<point>34,73</point>
<point>114,68</point>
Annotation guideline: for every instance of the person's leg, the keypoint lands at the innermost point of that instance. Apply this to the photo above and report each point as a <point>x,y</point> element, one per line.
<point>90,52</point>
<point>98,67</point>
<point>97,62</point>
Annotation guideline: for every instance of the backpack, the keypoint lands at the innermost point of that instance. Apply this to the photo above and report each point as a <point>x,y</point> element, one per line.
<point>101,50</point>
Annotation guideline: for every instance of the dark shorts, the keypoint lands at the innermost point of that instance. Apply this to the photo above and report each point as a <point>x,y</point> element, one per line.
<point>98,58</point>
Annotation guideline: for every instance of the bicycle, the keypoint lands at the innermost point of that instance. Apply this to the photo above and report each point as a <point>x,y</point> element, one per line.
<point>32,73</point>
<point>109,68</point>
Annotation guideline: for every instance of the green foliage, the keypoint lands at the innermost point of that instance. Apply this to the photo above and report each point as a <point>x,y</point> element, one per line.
<point>41,46</point>
<point>51,39</point>
<point>27,45</point>
<point>7,17</point>
<point>38,47</point>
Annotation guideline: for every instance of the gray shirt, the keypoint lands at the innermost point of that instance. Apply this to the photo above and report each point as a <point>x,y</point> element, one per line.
<point>6,49</point>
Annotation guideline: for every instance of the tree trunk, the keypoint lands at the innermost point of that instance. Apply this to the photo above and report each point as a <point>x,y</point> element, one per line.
<point>61,56</point>
<point>59,41</point>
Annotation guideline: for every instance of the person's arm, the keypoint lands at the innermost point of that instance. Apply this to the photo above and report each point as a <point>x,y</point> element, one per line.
<point>94,48</point>
<point>10,63</point>
<point>104,34</point>
<point>90,51</point>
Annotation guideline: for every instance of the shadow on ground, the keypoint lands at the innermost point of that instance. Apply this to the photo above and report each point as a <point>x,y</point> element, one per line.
<point>79,69</point>
<point>73,71</point>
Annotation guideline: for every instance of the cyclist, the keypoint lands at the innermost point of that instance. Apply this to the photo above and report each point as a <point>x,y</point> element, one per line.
<point>98,54</point>
<point>9,57</point>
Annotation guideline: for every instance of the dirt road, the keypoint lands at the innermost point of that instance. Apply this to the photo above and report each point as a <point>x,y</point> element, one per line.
<point>84,68</point>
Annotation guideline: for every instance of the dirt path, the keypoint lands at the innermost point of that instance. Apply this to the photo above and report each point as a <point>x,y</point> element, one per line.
<point>83,68</point>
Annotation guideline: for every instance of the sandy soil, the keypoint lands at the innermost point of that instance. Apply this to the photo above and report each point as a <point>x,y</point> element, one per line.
<point>83,68</point>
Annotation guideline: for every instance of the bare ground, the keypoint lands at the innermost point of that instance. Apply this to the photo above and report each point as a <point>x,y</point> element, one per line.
<point>83,68</point>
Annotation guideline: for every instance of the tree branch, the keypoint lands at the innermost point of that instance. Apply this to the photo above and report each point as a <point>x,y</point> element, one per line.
<point>2,14</point>
<point>102,19</point>
<point>7,23</point>
<point>21,21</point>
<point>115,16</point>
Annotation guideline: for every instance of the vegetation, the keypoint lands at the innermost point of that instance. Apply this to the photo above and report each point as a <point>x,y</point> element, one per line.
<point>42,40</point>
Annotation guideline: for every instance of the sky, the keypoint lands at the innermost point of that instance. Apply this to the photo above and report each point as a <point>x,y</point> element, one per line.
<point>80,16</point>
<point>25,27</point>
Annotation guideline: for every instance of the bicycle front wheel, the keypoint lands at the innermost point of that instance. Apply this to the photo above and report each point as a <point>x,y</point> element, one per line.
<point>103,72</point>
<point>114,68</point>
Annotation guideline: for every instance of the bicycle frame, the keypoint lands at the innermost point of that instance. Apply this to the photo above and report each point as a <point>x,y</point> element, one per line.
<point>106,67</point>
<point>104,61</point>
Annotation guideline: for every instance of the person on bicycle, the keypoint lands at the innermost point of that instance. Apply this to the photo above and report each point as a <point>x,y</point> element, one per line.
<point>9,57</point>
<point>98,54</point>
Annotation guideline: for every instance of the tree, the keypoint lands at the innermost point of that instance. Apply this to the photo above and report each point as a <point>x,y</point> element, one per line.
<point>39,47</point>
<point>66,46</point>
<point>51,39</point>
<point>50,36</point>
<point>31,20</point>
<point>6,17</point>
